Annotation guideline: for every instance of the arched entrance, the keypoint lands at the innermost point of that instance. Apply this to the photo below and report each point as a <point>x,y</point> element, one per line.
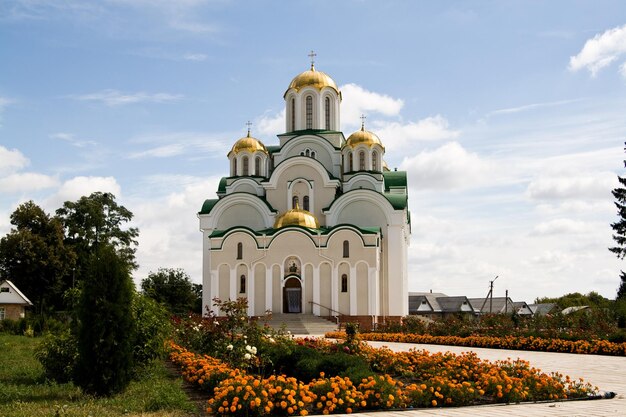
<point>292,295</point>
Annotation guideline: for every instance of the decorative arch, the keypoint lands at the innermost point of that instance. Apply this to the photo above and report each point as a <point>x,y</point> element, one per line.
<point>265,213</point>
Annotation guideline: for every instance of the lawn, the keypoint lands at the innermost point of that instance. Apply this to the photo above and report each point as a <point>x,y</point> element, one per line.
<point>25,393</point>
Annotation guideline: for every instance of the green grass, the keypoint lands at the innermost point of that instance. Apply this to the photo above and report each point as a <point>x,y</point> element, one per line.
<point>25,393</point>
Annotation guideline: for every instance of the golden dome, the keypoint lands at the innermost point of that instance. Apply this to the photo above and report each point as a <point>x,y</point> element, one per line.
<point>363,137</point>
<point>297,217</point>
<point>248,143</point>
<point>312,78</point>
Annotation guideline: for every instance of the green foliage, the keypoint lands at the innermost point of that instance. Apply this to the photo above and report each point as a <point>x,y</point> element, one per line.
<point>13,326</point>
<point>33,255</point>
<point>174,289</point>
<point>577,299</point>
<point>106,328</point>
<point>619,229</point>
<point>58,354</point>
<point>152,328</point>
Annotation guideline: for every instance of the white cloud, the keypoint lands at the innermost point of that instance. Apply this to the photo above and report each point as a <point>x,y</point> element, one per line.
<point>180,143</point>
<point>271,125</point>
<point>11,160</point>
<point>77,187</point>
<point>449,166</point>
<point>593,185</point>
<point>396,135</point>
<point>26,181</point>
<point>71,139</point>
<point>164,151</point>
<point>600,51</point>
<point>560,227</point>
<point>116,98</point>
<point>533,106</point>
<point>357,101</point>
<point>195,57</point>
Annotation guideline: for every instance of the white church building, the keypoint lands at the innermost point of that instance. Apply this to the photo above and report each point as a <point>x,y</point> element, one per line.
<point>316,224</point>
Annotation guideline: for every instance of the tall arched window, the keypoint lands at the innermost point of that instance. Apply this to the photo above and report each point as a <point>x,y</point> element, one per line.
<point>242,284</point>
<point>294,201</point>
<point>361,161</point>
<point>307,152</point>
<point>351,162</point>
<point>313,154</point>
<point>234,167</point>
<point>374,161</point>
<point>309,112</point>
<point>346,249</point>
<point>257,166</point>
<point>344,283</point>
<point>239,250</point>
<point>293,114</point>
<point>244,161</point>
<point>305,202</point>
<point>327,113</point>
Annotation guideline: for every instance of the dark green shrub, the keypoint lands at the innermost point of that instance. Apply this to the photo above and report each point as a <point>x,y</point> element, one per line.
<point>58,353</point>
<point>15,327</point>
<point>152,328</point>
<point>106,328</point>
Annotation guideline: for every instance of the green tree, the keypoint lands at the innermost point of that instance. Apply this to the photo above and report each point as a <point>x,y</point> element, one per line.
<point>34,257</point>
<point>98,219</point>
<point>619,229</point>
<point>172,288</point>
<point>106,331</point>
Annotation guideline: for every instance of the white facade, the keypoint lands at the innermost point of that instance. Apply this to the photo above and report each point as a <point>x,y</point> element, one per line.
<point>312,225</point>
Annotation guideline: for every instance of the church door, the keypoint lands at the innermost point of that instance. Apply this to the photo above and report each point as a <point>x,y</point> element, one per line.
<point>292,296</point>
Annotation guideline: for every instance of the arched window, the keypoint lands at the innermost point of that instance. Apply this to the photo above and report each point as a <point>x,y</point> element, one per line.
<point>351,162</point>
<point>313,154</point>
<point>374,161</point>
<point>245,165</point>
<point>307,152</point>
<point>309,112</point>
<point>344,283</point>
<point>294,202</point>
<point>257,166</point>
<point>305,202</point>
<point>239,250</point>
<point>361,161</point>
<point>327,113</point>
<point>242,284</point>
<point>346,249</point>
<point>293,114</point>
<point>234,167</point>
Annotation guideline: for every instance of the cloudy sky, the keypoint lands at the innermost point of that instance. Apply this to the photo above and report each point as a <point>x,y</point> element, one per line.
<point>509,117</point>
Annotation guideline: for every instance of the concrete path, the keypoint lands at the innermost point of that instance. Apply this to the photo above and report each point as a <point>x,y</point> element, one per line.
<point>608,373</point>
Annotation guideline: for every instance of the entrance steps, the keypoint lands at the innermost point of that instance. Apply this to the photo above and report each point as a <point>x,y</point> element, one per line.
<point>302,324</point>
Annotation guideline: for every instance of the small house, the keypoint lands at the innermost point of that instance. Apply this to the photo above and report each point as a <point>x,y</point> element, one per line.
<point>12,301</point>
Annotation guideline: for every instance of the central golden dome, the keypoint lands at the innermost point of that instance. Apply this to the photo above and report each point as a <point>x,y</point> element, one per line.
<point>363,137</point>
<point>312,78</point>
<point>297,217</point>
<point>248,143</point>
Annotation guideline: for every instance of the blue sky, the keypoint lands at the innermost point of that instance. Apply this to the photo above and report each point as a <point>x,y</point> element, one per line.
<point>508,117</point>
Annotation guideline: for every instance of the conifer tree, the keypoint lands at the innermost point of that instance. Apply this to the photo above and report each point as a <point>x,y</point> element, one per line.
<point>619,228</point>
<point>105,332</point>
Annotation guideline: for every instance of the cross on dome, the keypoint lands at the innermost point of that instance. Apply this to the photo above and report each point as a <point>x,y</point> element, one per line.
<point>312,55</point>
<point>363,117</point>
<point>248,123</point>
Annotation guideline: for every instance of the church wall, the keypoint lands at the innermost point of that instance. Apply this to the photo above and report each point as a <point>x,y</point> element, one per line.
<point>277,297</point>
<point>241,270</point>
<point>362,289</point>
<point>325,287</point>
<point>363,213</point>
<point>308,289</point>
<point>259,289</point>
<point>224,282</point>
<point>241,215</point>
<point>357,250</point>
<point>343,297</point>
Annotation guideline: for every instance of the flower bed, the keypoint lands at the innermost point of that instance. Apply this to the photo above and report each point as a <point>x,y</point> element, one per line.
<point>595,347</point>
<point>402,380</point>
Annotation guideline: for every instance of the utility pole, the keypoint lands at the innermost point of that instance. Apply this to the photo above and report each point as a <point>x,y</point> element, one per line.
<point>489,296</point>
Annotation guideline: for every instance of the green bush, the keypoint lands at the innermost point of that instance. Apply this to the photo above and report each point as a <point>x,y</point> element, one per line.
<point>152,328</point>
<point>15,327</point>
<point>58,354</point>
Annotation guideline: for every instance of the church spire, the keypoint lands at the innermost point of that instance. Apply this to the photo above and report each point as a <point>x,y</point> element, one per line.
<point>312,55</point>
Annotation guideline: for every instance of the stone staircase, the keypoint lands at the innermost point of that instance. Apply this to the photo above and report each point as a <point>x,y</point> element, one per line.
<point>299,324</point>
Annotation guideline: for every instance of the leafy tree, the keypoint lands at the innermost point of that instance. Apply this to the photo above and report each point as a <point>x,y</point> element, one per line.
<point>106,329</point>
<point>619,228</point>
<point>34,257</point>
<point>173,288</point>
<point>98,219</point>
<point>592,299</point>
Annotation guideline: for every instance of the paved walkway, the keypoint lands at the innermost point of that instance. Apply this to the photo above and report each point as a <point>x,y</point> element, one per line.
<point>608,373</point>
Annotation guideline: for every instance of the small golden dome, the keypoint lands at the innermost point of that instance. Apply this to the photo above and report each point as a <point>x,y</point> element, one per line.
<point>312,78</point>
<point>297,217</point>
<point>248,143</point>
<point>363,137</point>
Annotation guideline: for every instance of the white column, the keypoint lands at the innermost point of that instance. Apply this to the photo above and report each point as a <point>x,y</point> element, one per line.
<point>209,286</point>
<point>233,284</point>
<point>268,288</point>
<point>250,291</point>
<point>316,290</point>
<point>352,290</point>
<point>372,303</point>
<point>397,297</point>
<point>333,290</point>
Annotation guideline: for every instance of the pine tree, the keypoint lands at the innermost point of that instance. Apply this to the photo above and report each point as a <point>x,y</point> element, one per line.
<point>619,228</point>
<point>105,332</point>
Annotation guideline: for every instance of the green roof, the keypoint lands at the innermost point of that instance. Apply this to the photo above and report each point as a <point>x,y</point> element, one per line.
<point>221,188</point>
<point>394,179</point>
<point>309,132</point>
<point>398,201</point>
<point>207,206</point>
<point>322,230</point>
